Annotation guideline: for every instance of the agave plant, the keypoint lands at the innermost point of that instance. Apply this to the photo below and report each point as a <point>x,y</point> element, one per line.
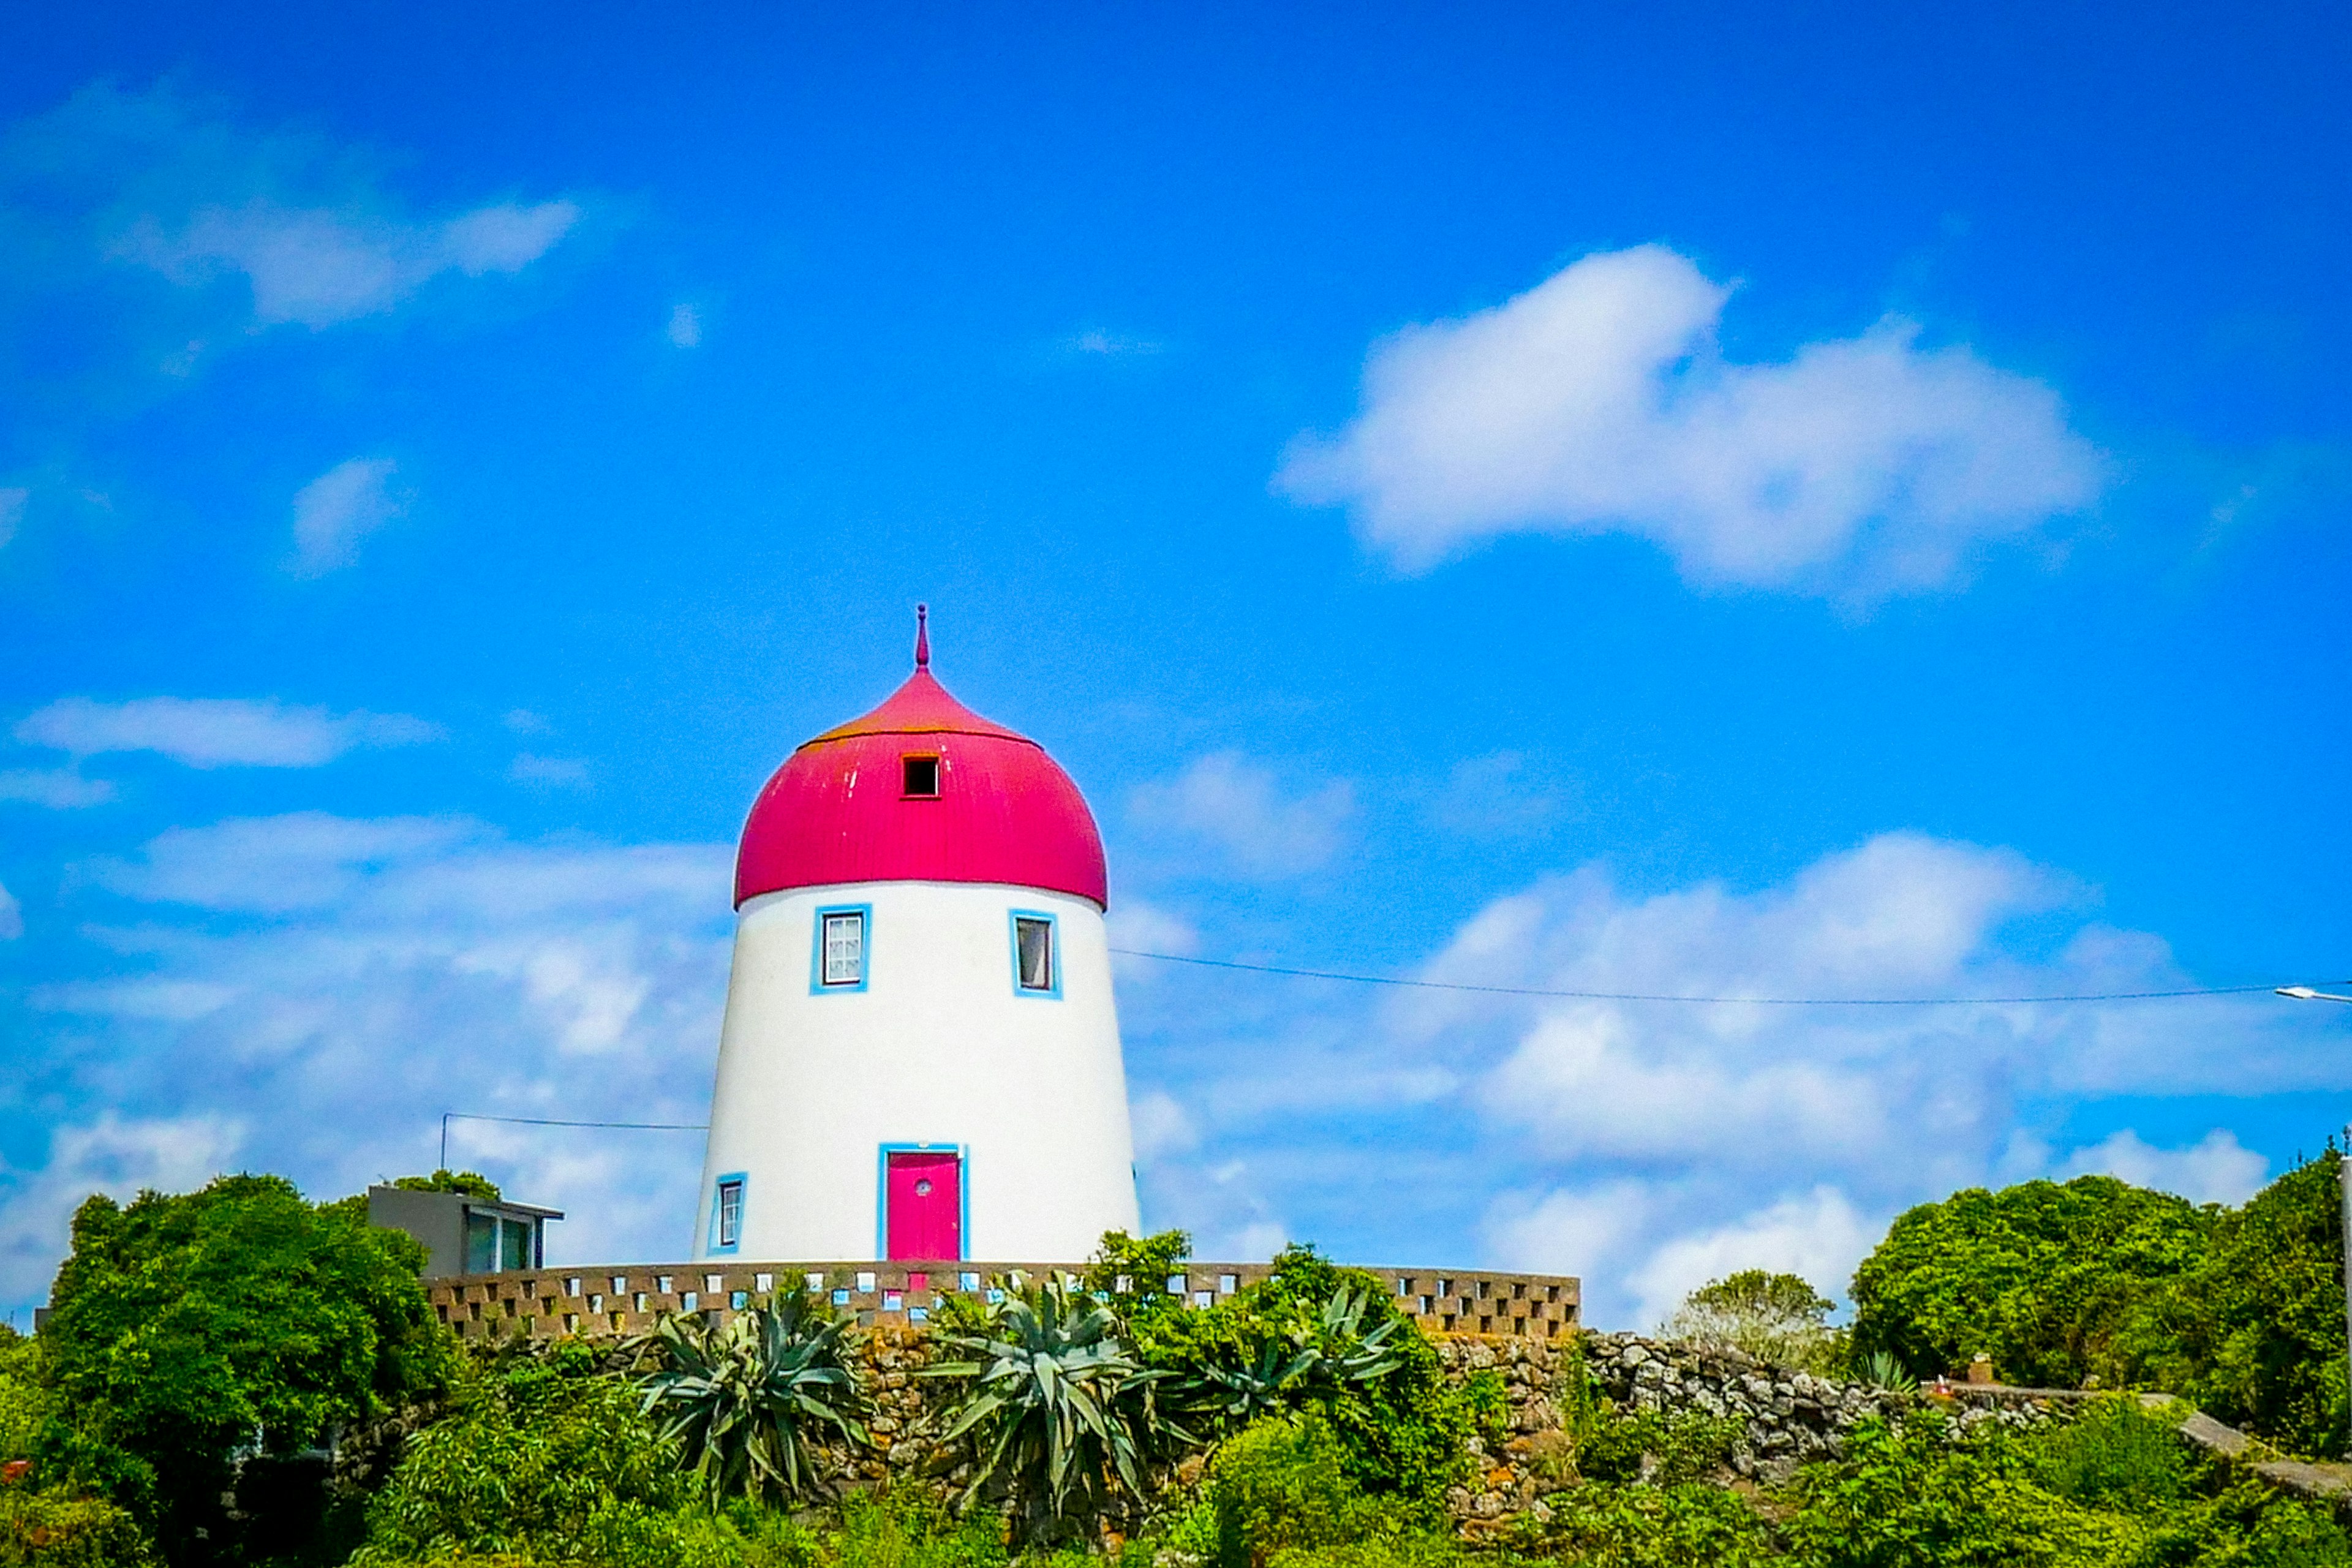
<point>1881,1370</point>
<point>1321,1353</point>
<point>741,1400</point>
<point>1058,1410</point>
<point>1345,1353</point>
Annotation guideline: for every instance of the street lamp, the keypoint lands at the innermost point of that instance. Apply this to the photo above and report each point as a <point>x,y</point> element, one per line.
<point>2343,1172</point>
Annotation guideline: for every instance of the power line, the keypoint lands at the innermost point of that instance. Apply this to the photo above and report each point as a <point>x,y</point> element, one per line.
<point>1716,1001</point>
<point>449,1116</point>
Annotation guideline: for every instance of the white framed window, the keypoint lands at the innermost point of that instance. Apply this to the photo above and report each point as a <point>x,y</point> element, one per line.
<point>843,948</point>
<point>918,775</point>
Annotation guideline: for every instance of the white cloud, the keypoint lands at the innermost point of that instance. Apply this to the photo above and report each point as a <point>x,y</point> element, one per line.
<point>12,916</point>
<point>320,266</point>
<point>684,328</point>
<point>171,1001</point>
<point>557,772</point>
<point>211,732</point>
<point>177,186</point>
<point>1139,925</point>
<point>1817,1235</point>
<point>1095,343</point>
<point>57,788</point>
<point>1163,1126</point>
<point>271,864</point>
<point>1822,1114</point>
<point>1649,1145</point>
<point>116,1155</point>
<point>2214,1170</point>
<point>504,237</point>
<point>1596,402</point>
<point>1567,1231</point>
<point>398,968</point>
<point>1496,795</point>
<point>12,511</point>
<point>1239,806</point>
<point>334,512</point>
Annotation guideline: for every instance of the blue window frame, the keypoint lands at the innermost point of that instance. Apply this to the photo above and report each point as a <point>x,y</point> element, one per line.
<point>841,957</point>
<point>727,1212</point>
<point>1036,954</point>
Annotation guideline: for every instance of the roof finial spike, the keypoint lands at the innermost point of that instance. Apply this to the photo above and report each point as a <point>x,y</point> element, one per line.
<point>922,636</point>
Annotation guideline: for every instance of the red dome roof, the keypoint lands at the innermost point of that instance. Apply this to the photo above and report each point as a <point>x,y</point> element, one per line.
<point>839,809</point>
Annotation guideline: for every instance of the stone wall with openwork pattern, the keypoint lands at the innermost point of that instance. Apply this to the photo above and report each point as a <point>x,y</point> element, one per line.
<point>621,1299</point>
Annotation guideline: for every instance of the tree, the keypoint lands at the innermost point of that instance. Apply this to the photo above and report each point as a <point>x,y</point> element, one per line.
<point>471,1184</point>
<point>188,1331</point>
<point>2043,1277</point>
<point>2238,1309</point>
<point>2254,1331</point>
<point>1776,1318</point>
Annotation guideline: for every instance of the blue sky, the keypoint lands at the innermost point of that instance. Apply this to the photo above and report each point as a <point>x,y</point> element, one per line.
<point>1757,503</point>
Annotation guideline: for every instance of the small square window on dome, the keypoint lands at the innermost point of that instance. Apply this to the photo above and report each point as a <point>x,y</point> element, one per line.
<point>920,775</point>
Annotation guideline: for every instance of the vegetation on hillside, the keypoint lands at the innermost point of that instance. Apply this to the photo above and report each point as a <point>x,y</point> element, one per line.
<point>2238,1309</point>
<point>202,1344</point>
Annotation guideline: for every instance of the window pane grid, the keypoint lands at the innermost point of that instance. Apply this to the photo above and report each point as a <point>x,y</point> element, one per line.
<point>844,949</point>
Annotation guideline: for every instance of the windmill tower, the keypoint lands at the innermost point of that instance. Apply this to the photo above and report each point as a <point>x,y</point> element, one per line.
<point>921,1057</point>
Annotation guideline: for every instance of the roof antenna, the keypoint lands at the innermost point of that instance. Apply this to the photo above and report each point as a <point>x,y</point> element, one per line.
<point>922,636</point>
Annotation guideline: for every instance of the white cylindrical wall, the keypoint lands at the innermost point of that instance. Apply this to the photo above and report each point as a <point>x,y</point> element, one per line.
<point>939,1047</point>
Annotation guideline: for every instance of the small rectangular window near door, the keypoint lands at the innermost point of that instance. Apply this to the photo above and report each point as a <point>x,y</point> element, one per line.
<point>842,948</point>
<point>729,1225</point>
<point>1036,967</point>
<point>920,775</point>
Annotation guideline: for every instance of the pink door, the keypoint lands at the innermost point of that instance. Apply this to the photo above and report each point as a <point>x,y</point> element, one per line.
<point>925,1194</point>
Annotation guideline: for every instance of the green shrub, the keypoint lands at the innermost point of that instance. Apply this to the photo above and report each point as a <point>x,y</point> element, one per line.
<point>24,1406</point>
<point>1282,1482</point>
<point>469,1184</point>
<point>2239,1310</point>
<point>1663,1448</point>
<point>910,1528</point>
<point>1929,1495</point>
<point>1403,1425</point>
<point>57,1529</point>
<point>1673,1526</point>
<point>2115,1455</point>
<point>1131,1273</point>
<point>531,1459</point>
<point>1416,1548</point>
